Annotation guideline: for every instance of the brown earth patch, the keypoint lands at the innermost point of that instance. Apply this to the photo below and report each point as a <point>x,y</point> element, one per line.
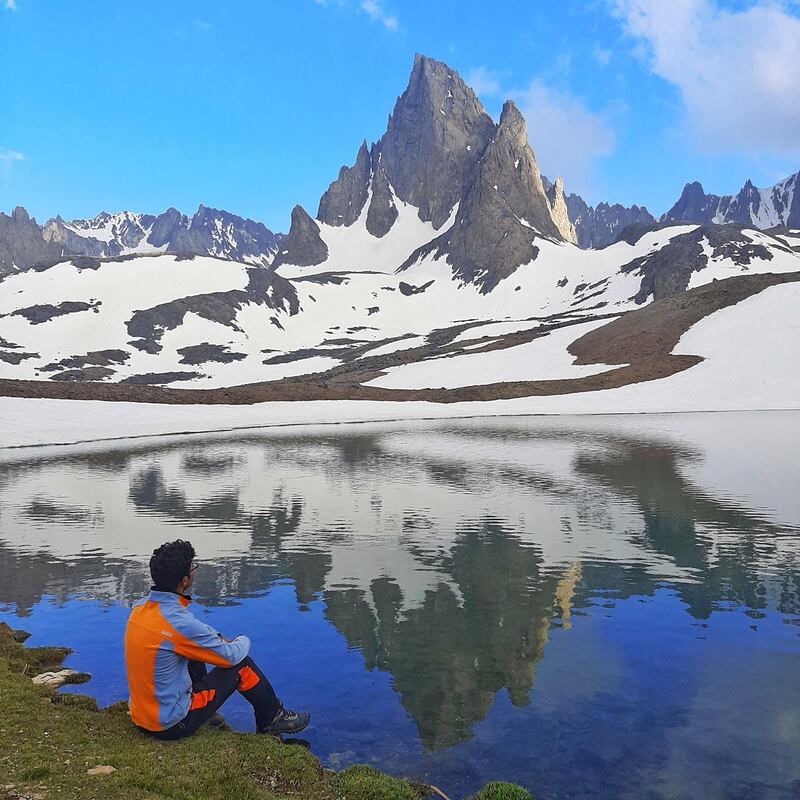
<point>640,341</point>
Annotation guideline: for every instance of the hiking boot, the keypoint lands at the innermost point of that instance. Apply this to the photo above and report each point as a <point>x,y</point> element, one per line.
<point>286,721</point>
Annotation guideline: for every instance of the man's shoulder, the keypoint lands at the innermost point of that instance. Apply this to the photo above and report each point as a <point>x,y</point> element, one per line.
<point>179,616</point>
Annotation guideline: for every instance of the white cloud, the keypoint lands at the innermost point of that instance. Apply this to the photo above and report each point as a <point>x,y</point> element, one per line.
<point>566,137</point>
<point>7,156</point>
<point>738,71</point>
<point>11,5</point>
<point>374,9</point>
<point>602,56</point>
<point>483,81</point>
<point>376,12</point>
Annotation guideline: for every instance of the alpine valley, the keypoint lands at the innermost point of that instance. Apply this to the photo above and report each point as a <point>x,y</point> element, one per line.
<point>442,266</point>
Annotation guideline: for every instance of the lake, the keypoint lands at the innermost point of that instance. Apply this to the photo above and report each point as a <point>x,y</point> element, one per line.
<point>593,607</point>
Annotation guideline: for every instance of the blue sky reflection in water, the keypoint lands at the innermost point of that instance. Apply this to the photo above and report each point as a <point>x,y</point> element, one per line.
<point>595,608</point>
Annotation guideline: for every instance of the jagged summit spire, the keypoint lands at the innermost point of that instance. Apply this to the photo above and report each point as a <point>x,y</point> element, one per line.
<point>441,150</point>
<point>303,245</point>
<point>434,139</point>
<point>345,197</point>
<point>435,136</point>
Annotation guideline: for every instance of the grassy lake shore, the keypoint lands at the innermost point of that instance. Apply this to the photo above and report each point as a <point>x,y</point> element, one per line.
<point>49,741</point>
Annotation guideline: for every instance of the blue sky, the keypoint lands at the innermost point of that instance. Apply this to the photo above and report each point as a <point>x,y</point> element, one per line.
<point>254,106</point>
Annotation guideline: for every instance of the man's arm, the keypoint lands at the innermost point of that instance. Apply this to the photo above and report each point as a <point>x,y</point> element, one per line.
<point>200,642</point>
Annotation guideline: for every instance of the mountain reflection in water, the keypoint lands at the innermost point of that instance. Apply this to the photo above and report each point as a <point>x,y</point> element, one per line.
<point>446,554</point>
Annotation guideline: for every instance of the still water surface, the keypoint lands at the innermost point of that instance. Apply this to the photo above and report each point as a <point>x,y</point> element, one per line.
<point>591,607</point>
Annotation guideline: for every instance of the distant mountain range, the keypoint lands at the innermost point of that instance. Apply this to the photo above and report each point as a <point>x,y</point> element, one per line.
<point>24,243</point>
<point>442,241</point>
<point>441,154</point>
<point>775,206</point>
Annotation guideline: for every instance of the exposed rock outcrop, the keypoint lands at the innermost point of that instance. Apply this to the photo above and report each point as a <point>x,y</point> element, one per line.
<point>21,242</point>
<point>344,199</point>
<point>559,211</point>
<point>382,209</point>
<point>667,271</point>
<point>503,212</point>
<point>303,247</point>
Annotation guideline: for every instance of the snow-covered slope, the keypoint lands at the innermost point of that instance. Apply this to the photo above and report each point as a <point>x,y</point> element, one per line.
<point>202,322</point>
<point>734,376</point>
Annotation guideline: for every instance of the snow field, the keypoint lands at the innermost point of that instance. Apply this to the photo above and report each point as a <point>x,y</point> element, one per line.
<point>734,376</point>
<point>545,358</point>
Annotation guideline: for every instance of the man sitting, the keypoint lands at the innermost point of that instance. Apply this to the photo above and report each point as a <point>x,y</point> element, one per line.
<point>166,651</point>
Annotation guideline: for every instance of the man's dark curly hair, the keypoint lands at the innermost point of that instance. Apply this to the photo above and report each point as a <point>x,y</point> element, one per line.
<point>170,564</point>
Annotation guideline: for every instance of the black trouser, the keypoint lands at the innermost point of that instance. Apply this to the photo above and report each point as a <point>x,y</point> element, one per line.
<point>211,689</point>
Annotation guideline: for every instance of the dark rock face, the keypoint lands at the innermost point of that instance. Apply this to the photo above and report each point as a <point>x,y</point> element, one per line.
<point>16,357</point>
<point>218,233</point>
<point>502,214</point>
<point>441,149</point>
<point>264,288</point>
<point>165,225</point>
<point>160,378</point>
<point>434,139</point>
<point>600,226</point>
<point>83,374</point>
<point>668,270</point>
<point>95,358</point>
<point>21,242</point>
<point>344,200</point>
<point>408,289</point>
<point>203,353</point>
<point>786,199</point>
<point>36,315</point>
<point>694,205</point>
<point>68,242</point>
<point>382,210</point>
<point>303,246</point>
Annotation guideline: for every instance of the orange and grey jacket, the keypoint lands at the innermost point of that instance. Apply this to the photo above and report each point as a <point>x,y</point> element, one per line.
<point>160,639</point>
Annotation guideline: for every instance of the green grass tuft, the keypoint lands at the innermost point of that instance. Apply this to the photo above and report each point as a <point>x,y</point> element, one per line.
<point>503,791</point>
<point>365,783</point>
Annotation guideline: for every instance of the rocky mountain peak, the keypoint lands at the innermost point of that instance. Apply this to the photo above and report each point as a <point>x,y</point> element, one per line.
<point>560,212</point>
<point>21,242</point>
<point>164,227</point>
<point>512,124</point>
<point>693,204</point>
<point>502,212</point>
<point>303,246</point>
<point>434,139</point>
<point>344,200</point>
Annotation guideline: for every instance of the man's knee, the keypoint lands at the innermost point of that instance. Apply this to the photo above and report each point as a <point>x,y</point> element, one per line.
<point>249,674</point>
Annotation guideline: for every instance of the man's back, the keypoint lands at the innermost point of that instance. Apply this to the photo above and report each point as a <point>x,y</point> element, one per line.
<point>161,638</point>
